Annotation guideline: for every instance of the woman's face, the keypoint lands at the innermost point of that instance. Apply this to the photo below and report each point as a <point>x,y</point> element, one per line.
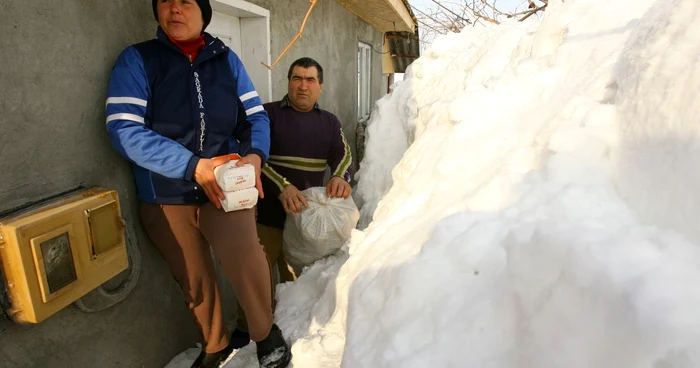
<point>180,19</point>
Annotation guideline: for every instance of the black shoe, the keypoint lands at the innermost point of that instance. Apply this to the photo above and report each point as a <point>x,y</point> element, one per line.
<point>239,339</point>
<point>212,360</point>
<point>273,352</point>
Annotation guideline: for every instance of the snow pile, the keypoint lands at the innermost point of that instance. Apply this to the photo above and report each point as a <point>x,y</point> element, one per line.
<point>541,208</point>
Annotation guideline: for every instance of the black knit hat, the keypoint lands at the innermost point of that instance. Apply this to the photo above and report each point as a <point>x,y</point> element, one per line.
<point>204,5</point>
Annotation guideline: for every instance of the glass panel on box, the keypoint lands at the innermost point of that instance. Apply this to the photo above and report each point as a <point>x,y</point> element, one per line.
<point>58,262</point>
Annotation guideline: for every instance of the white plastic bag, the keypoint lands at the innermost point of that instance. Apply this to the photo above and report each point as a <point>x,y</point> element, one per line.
<point>319,230</point>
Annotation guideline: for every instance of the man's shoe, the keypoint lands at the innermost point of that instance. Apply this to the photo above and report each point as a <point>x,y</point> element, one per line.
<point>212,360</point>
<point>274,352</point>
<point>239,339</point>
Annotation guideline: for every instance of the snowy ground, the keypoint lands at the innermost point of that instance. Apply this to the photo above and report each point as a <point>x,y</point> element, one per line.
<point>530,196</point>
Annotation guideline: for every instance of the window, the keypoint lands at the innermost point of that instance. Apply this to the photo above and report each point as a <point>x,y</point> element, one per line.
<point>364,71</point>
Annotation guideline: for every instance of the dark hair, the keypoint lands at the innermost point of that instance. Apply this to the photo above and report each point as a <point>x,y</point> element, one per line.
<point>306,62</point>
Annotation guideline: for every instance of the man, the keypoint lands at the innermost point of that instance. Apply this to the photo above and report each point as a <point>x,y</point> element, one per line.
<point>303,140</point>
<point>173,105</point>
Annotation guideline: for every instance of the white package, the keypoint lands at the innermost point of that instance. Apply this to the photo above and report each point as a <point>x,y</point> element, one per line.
<point>320,229</point>
<point>231,177</point>
<point>240,199</point>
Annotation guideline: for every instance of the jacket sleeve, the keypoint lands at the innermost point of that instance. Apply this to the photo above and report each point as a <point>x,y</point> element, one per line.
<point>253,126</point>
<point>127,99</point>
<point>340,156</point>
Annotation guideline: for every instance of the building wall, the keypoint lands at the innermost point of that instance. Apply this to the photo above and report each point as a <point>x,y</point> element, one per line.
<point>55,58</point>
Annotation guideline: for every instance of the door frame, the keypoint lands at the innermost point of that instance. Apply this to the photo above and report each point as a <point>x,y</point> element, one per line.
<point>255,41</point>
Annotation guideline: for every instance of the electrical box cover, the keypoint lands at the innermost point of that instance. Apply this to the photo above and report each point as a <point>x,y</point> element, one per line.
<point>54,253</point>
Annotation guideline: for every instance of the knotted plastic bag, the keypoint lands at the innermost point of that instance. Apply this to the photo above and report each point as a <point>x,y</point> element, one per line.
<point>320,229</point>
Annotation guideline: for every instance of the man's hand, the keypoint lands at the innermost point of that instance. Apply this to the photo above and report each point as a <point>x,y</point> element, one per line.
<point>338,188</point>
<point>256,161</point>
<point>204,175</point>
<point>292,199</point>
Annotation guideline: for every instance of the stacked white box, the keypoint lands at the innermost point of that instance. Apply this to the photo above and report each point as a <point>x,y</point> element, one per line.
<point>238,184</point>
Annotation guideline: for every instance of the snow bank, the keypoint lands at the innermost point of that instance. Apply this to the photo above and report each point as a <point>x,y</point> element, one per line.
<point>529,197</point>
<point>536,204</point>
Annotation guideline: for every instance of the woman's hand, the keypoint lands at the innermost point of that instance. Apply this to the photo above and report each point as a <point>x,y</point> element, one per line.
<point>256,161</point>
<point>204,176</point>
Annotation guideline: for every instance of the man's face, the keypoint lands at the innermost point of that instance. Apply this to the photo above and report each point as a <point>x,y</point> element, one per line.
<point>180,19</point>
<point>304,88</point>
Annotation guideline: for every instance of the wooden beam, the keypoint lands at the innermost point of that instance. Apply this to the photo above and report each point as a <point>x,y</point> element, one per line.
<point>402,11</point>
<point>384,15</point>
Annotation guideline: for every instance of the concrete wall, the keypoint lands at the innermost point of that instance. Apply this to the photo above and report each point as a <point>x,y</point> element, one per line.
<point>56,57</point>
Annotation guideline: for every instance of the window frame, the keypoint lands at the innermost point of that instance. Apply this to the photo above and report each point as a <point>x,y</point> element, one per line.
<point>364,80</point>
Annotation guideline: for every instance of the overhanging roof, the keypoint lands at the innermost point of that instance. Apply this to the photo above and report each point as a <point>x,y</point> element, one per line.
<point>385,15</point>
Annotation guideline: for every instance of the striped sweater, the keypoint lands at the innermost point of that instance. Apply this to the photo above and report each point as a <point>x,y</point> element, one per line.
<point>302,145</point>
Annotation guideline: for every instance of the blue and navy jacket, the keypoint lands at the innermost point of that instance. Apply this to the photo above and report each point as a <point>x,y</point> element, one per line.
<point>164,114</point>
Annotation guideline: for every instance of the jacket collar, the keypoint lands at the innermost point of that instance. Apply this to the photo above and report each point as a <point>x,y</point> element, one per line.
<point>286,103</point>
<point>212,46</point>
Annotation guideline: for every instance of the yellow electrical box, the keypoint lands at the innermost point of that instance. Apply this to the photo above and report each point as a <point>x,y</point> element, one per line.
<point>55,253</point>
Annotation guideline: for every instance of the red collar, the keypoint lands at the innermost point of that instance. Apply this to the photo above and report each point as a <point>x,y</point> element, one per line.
<point>190,48</point>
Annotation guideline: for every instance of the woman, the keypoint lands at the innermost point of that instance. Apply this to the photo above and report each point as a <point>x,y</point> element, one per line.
<point>175,104</point>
